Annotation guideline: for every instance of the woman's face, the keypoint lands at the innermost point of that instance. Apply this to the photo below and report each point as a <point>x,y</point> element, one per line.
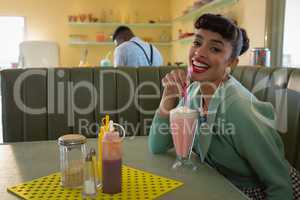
<point>209,55</point>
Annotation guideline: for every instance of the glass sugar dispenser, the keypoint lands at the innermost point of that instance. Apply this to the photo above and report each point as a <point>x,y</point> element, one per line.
<point>72,148</point>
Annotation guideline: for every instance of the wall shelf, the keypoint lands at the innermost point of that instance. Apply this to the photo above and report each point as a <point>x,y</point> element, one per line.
<point>108,43</point>
<point>210,7</point>
<point>187,40</point>
<point>115,24</point>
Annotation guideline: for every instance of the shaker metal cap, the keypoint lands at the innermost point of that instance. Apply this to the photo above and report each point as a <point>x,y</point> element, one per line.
<point>92,152</point>
<point>71,139</point>
<point>88,157</point>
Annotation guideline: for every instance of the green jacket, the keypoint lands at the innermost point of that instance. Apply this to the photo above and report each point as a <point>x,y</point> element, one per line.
<point>240,140</point>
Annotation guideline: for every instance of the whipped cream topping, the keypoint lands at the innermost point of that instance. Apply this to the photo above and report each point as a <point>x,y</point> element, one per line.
<point>183,111</point>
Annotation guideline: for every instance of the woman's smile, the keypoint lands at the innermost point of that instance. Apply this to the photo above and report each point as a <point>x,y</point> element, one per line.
<point>199,66</point>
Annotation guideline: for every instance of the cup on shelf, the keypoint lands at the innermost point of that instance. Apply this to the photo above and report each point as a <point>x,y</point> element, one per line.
<point>82,17</point>
<point>100,37</point>
<point>90,17</point>
<point>77,37</point>
<point>72,18</point>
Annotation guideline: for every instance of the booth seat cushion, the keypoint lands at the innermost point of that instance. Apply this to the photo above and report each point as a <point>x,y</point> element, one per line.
<point>281,87</point>
<point>73,100</point>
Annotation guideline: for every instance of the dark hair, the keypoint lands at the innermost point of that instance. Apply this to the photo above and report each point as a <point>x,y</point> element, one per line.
<point>120,30</point>
<point>227,29</point>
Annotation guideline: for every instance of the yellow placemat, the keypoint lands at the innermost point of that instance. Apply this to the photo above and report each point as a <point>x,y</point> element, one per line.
<point>136,184</point>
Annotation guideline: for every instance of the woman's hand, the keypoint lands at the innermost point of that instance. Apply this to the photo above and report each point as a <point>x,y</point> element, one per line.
<point>173,83</point>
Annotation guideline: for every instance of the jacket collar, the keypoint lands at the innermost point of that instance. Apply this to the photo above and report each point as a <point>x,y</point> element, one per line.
<point>205,131</point>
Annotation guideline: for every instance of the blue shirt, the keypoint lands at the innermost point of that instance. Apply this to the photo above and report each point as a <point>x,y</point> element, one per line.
<point>130,54</point>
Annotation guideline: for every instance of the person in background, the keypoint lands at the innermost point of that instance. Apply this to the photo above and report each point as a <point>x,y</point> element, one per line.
<point>133,51</point>
<point>246,148</point>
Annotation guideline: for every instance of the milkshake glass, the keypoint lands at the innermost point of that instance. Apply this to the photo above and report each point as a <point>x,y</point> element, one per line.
<point>183,121</point>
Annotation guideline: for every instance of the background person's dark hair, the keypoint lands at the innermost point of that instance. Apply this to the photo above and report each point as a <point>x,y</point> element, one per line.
<point>227,29</point>
<point>121,30</point>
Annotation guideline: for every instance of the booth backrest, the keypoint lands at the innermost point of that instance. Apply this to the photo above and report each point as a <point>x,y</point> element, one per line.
<point>65,100</point>
<point>281,87</point>
<point>43,104</point>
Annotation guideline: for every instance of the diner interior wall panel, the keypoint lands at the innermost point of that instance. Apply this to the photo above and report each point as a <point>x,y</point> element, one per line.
<point>58,101</point>
<point>12,120</point>
<point>82,101</point>
<point>128,114</point>
<point>148,96</point>
<point>35,100</point>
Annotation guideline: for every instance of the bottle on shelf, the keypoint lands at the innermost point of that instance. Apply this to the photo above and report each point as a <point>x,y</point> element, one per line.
<point>164,37</point>
<point>106,61</point>
<point>117,16</point>
<point>83,60</point>
<point>110,16</point>
<point>103,16</point>
<point>180,33</point>
<point>136,18</point>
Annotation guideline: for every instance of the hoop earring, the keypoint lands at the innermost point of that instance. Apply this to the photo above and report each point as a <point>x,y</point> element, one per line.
<point>226,74</point>
<point>227,70</point>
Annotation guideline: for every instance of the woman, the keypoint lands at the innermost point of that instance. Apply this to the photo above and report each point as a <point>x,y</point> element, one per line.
<point>242,143</point>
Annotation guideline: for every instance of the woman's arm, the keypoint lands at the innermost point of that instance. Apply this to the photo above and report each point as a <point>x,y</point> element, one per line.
<point>160,138</point>
<point>257,142</point>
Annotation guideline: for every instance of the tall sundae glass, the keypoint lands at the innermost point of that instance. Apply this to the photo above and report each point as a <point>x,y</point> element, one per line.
<point>183,121</point>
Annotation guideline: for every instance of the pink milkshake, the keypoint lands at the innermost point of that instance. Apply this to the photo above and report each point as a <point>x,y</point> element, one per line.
<point>183,122</point>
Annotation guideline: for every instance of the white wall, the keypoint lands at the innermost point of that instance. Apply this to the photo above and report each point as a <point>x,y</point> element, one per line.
<point>291,33</point>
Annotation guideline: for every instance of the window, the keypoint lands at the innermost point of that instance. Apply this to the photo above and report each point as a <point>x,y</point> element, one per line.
<point>291,53</point>
<point>11,35</point>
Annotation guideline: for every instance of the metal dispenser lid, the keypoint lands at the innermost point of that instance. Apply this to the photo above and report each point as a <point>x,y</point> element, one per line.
<point>88,157</point>
<point>92,152</point>
<point>71,139</point>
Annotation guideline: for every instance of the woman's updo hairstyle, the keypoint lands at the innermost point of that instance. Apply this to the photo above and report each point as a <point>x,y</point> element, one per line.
<point>227,29</point>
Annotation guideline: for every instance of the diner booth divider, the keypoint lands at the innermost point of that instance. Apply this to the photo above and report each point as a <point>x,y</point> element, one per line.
<point>43,104</point>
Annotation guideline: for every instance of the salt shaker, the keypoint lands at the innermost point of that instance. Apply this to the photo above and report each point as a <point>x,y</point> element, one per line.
<point>89,189</point>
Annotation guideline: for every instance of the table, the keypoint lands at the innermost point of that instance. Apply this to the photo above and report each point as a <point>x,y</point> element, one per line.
<point>24,161</point>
